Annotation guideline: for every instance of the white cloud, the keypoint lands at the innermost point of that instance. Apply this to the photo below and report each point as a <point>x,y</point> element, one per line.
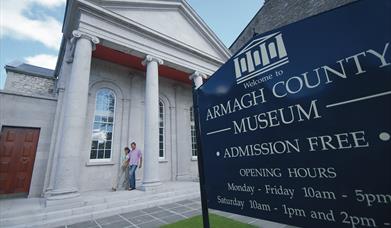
<point>50,3</point>
<point>15,24</point>
<point>42,60</point>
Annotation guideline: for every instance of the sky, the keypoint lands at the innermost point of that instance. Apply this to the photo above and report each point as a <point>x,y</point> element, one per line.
<point>30,30</point>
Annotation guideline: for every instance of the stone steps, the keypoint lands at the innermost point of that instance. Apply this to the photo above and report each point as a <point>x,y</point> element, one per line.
<point>96,207</point>
<point>103,197</point>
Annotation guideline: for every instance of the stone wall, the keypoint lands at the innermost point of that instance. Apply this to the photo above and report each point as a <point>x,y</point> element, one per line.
<point>29,85</point>
<point>277,13</point>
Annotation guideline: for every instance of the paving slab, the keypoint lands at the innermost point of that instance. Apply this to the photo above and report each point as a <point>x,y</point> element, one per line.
<point>87,224</point>
<point>152,224</point>
<point>192,213</point>
<point>117,224</point>
<point>141,219</point>
<point>193,205</point>
<point>173,218</point>
<point>152,209</point>
<point>162,214</point>
<point>108,220</point>
<point>184,202</point>
<point>133,214</point>
<point>171,205</point>
<point>180,209</point>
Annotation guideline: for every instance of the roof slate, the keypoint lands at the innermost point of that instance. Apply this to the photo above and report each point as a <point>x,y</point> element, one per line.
<point>28,69</point>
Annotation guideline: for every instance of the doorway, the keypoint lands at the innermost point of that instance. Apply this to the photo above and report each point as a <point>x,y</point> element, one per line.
<point>18,147</point>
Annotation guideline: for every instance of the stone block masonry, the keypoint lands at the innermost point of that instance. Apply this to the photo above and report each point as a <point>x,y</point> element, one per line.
<point>277,13</point>
<point>29,85</point>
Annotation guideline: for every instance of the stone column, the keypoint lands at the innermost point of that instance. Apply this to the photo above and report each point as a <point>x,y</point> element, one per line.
<point>197,77</point>
<point>151,129</point>
<point>73,122</point>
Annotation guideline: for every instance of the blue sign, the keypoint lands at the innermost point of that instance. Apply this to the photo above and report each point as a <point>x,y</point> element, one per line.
<point>295,128</point>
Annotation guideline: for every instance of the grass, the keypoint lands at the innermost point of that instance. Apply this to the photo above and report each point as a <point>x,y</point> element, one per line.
<point>215,221</point>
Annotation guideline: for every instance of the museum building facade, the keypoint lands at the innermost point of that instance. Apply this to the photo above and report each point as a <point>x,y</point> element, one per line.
<point>124,74</point>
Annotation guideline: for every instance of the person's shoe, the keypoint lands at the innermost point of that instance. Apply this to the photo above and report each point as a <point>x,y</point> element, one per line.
<point>113,189</point>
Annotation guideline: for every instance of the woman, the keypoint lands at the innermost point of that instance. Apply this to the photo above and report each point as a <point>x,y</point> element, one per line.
<point>123,175</point>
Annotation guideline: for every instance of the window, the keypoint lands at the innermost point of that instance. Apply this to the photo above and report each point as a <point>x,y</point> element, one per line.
<point>161,130</point>
<point>102,133</point>
<point>193,135</point>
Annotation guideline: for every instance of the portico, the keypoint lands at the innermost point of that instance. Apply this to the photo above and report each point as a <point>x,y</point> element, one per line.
<point>124,74</point>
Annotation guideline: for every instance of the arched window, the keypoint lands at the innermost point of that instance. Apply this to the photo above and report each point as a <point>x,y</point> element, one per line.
<point>102,133</point>
<point>161,130</point>
<point>193,135</point>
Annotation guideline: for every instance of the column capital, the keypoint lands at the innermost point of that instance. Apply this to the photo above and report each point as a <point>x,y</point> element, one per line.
<point>150,58</point>
<point>197,77</point>
<point>197,74</point>
<point>78,34</point>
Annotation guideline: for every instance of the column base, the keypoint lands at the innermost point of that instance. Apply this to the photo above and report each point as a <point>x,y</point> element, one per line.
<point>63,198</point>
<point>150,186</point>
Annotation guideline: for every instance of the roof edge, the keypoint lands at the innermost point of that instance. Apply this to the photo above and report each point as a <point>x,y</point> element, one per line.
<point>248,24</point>
<point>29,73</point>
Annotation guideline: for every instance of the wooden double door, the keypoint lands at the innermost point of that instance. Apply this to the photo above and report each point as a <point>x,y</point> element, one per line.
<point>18,147</point>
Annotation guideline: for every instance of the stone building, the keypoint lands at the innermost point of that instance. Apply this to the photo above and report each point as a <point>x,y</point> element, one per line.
<point>277,13</point>
<point>124,74</point>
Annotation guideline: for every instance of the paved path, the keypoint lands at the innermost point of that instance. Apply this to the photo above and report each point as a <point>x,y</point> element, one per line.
<point>165,214</point>
<point>93,205</point>
<point>171,202</point>
<point>150,217</point>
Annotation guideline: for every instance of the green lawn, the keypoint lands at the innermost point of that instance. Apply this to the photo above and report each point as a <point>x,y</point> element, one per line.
<point>215,221</point>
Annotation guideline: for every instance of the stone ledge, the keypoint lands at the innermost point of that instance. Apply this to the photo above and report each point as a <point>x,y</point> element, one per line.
<point>5,92</point>
<point>89,163</point>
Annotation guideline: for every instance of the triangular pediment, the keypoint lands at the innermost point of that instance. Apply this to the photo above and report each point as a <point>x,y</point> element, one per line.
<point>174,19</point>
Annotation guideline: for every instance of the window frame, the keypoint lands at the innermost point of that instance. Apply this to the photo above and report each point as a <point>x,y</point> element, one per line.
<point>163,127</point>
<point>193,135</point>
<point>103,160</point>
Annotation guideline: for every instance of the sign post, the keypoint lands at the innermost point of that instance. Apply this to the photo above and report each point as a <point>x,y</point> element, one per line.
<point>296,126</point>
<point>200,159</point>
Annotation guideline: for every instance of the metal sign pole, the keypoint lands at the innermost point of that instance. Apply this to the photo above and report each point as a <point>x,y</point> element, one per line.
<point>204,203</point>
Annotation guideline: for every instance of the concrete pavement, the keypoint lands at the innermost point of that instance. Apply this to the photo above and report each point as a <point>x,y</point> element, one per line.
<point>171,202</point>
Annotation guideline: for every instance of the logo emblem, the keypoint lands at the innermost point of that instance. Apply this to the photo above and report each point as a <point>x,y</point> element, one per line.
<point>260,56</point>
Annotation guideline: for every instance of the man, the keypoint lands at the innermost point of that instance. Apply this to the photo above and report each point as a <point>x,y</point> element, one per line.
<point>135,159</point>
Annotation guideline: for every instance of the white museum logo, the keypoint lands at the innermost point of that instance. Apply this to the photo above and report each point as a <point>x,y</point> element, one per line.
<point>260,56</point>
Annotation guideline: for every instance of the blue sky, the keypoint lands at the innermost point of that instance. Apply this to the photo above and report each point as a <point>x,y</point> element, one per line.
<point>30,30</point>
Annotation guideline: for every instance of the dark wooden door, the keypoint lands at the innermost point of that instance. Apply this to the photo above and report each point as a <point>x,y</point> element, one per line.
<point>17,154</point>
